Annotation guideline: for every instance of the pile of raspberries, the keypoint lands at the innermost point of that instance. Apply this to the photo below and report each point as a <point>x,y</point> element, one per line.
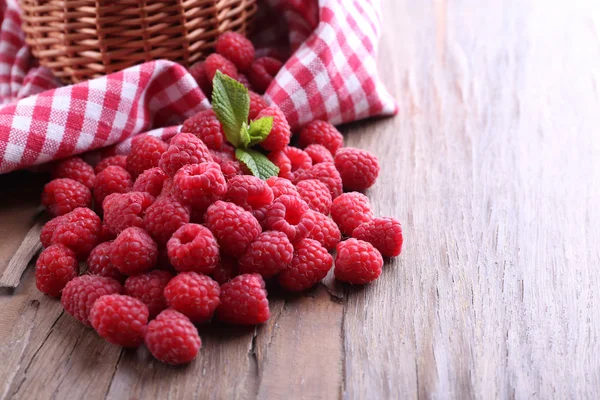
<point>178,233</point>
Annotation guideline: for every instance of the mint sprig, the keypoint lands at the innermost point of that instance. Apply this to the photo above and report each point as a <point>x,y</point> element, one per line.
<point>231,104</point>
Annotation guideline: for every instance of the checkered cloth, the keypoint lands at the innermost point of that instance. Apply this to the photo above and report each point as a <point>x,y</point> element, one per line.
<point>331,74</point>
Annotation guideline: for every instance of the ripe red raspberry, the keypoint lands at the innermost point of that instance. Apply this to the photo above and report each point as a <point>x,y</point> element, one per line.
<point>119,161</point>
<point>79,230</point>
<point>149,288</point>
<point>194,295</point>
<point>262,72</point>
<point>233,227</point>
<point>316,194</point>
<point>383,233</point>
<point>216,62</point>
<point>62,196</point>
<point>249,192</point>
<point>225,270</point>
<point>193,248</point>
<point>350,210</point>
<point>134,252</point>
<point>124,210</point>
<point>112,179</point>
<point>168,188</point>
<point>244,301</point>
<point>310,264</point>
<point>236,48</point>
<point>325,232</point>
<point>198,72</point>
<point>172,338</point>
<point>290,215</point>
<point>358,168</point>
<point>257,104</point>
<point>184,149</point>
<point>48,230</point>
<point>120,319</point>
<point>99,262</point>
<point>206,127</point>
<point>145,153</point>
<point>280,132</point>
<point>268,254</point>
<point>75,168</point>
<point>150,181</point>
<point>55,266</point>
<point>243,79</point>
<point>164,217</point>
<point>291,161</point>
<point>230,166</point>
<point>357,262</point>
<point>323,133</point>
<point>79,295</point>
<point>326,173</point>
<point>194,183</point>
<point>318,153</point>
<point>281,186</point>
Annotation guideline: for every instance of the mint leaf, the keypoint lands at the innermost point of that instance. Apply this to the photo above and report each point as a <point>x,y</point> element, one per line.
<point>245,138</point>
<point>257,163</point>
<point>260,129</point>
<point>231,104</point>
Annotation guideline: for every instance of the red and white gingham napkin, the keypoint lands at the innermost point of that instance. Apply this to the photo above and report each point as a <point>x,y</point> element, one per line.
<point>330,75</point>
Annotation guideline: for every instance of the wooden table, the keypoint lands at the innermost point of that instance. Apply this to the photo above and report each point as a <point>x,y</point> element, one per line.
<point>493,167</point>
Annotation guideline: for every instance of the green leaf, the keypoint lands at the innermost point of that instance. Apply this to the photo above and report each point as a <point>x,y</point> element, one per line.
<point>257,163</point>
<point>231,104</point>
<point>245,138</point>
<point>260,129</point>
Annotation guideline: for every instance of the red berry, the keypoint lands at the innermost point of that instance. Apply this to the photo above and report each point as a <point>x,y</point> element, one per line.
<point>358,168</point>
<point>48,230</point>
<point>326,173</point>
<point>195,296</point>
<point>198,72</point>
<point>225,270</point>
<point>124,210</point>
<point>316,194</point>
<point>149,288</point>
<point>206,127</point>
<point>168,188</point>
<point>357,262</point>
<point>383,233</point>
<point>280,132</point>
<point>145,153</point>
<point>262,72</point>
<point>99,262</point>
<point>195,183</point>
<point>230,167</point>
<point>80,231</point>
<point>236,48</point>
<point>193,248</point>
<point>291,161</point>
<point>323,133</point>
<point>120,319</point>
<point>62,196</point>
<point>268,254</point>
<point>79,295</point>
<point>281,186</point>
<point>164,217</point>
<point>257,104</point>
<point>244,301</point>
<point>310,264</point>
<point>350,210</point>
<point>54,268</point>
<point>249,192</point>
<point>119,161</point>
<point>325,232</point>
<point>112,179</point>
<point>318,153</point>
<point>233,227</point>
<point>75,168</point>
<point>184,149</point>
<point>172,338</point>
<point>290,215</point>
<point>134,252</point>
<point>150,181</point>
<point>243,79</point>
<point>216,62</point>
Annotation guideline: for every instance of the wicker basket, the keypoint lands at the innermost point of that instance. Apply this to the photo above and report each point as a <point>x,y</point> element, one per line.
<point>83,39</point>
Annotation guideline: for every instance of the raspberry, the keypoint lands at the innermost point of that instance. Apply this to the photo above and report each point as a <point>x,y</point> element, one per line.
<point>236,48</point>
<point>350,210</point>
<point>172,338</point>
<point>316,194</point>
<point>323,133</point>
<point>257,104</point>
<point>249,192</point>
<point>112,179</point>
<point>280,132</point>
<point>230,166</point>
<point>225,270</point>
<point>168,188</point>
<point>206,127</point>
<point>134,252</point>
<point>120,319</point>
<point>290,215</point>
<point>233,227</point>
<point>267,255</point>
<point>99,262</point>
<point>54,268</point>
<point>48,230</point>
<point>185,149</point>
<point>198,72</point>
<point>119,161</point>
<point>75,168</point>
<point>79,295</point>
<point>124,210</point>
<point>310,264</point>
<point>318,153</point>
<point>383,233</point>
<point>262,72</point>
<point>325,232</point>
<point>358,168</point>
<point>195,183</point>
<point>291,161</point>
<point>243,79</point>
<point>357,262</point>
<point>216,62</point>
<point>79,230</point>
<point>326,173</point>
<point>193,248</point>
<point>194,295</point>
<point>244,301</point>
<point>281,186</point>
<point>150,181</point>
<point>62,196</point>
<point>164,217</point>
<point>145,154</point>
<point>149,288</point>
